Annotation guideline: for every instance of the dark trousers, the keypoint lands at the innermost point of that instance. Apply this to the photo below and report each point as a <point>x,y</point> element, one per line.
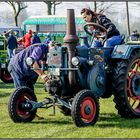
<point>22,80</point>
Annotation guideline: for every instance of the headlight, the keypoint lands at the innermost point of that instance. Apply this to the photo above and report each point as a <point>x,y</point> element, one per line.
<point>75,61</point>
<point>29,61</point>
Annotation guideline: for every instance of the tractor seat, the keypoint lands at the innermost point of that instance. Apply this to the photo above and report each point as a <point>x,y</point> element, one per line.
<point>123,39</point>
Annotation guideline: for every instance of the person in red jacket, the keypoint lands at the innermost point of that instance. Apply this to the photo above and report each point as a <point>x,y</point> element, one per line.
<point>26,40</point>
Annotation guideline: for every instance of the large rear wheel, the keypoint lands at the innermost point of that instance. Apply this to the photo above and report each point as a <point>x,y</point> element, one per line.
<point>85,108</point>
<point>18,109</point>
<point>127,86</point>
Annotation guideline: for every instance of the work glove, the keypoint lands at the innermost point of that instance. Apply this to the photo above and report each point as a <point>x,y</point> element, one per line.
<point>44,77</point>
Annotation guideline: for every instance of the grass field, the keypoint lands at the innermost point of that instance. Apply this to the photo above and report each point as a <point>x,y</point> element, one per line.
<point>109,125</point>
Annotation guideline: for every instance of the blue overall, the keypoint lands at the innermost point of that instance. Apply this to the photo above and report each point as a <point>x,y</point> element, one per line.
<point>21,73</point>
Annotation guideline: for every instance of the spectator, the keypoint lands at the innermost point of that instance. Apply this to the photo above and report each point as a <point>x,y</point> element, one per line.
<point>7,33</point>
<point>20,46</point>
<point>134,36</point>
<point>11,44</point>
<point>47,38</point>
<point>26,40</point>
<point>35,38</point>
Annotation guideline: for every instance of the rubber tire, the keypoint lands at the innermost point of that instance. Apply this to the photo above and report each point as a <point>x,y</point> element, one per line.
<point>3,71</point>
<point>120,82</point>
<point>12,105</point>
<point>75,110</point>
<point>109,91</point>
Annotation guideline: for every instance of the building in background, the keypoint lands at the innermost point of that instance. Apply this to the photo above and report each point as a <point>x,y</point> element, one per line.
<point>56,25</point>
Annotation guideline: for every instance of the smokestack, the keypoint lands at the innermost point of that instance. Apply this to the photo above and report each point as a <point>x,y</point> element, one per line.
<point>71,40</point>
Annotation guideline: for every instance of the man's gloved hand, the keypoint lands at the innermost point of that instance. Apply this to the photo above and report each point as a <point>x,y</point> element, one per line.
<point>44,77</point>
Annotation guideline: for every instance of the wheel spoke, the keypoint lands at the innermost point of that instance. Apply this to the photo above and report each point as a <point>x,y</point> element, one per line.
<point>135,67</point>
<point>138,66</point>
<point>133,103</point>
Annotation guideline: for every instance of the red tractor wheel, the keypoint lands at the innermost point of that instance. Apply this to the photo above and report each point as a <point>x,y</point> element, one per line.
<point>85,108</point>
<point>127,86</point>
<point>17,105</point>
<point>5,76</point>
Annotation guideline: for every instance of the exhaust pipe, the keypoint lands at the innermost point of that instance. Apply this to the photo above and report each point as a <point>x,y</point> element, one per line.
<point>71,40</point>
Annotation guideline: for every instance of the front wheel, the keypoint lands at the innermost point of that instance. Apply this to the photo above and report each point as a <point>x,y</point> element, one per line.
<point>17,105</point>
<point>127,86</point>
<point>85,108</point>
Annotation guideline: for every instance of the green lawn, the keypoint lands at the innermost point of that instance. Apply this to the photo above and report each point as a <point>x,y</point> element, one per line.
<point>109,125</point>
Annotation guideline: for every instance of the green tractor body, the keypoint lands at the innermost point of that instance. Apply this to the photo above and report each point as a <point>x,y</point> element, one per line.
<point>4,74</point>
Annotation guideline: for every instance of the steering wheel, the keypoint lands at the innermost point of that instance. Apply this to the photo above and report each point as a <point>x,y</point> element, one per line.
<point>104,35</point>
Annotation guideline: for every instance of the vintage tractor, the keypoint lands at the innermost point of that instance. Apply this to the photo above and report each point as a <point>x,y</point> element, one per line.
<point>4,74</point>
<point>79,75</point>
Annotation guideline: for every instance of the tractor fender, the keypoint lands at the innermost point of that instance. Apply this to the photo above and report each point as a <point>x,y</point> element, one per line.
<point>123,51</point>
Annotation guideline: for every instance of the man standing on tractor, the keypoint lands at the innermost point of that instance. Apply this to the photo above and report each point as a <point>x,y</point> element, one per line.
<point>21,72</point>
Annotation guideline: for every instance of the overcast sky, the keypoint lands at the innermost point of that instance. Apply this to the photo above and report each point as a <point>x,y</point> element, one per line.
<point>117,12</point>
<point>39,8</point>
<point>61,9</point>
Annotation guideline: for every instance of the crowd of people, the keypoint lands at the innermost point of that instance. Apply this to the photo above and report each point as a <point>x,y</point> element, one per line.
<point>15,45</point>
<point>31,46</point>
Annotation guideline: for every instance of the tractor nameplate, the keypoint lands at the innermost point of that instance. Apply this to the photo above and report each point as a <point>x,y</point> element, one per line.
<point>54,71</point>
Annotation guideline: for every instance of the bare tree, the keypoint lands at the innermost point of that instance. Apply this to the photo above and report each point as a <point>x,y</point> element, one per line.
<point>104,6</point>
<point>54,6</point>
<point>17,8</point>
<point>95,6</point>
<point>50,5</point>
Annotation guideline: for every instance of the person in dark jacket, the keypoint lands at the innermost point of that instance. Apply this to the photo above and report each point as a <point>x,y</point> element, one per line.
<point>113,34</point>
<point>35,38</point>
<point>11,44</point>
<point>134,36</point>
<point>22,73</point>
